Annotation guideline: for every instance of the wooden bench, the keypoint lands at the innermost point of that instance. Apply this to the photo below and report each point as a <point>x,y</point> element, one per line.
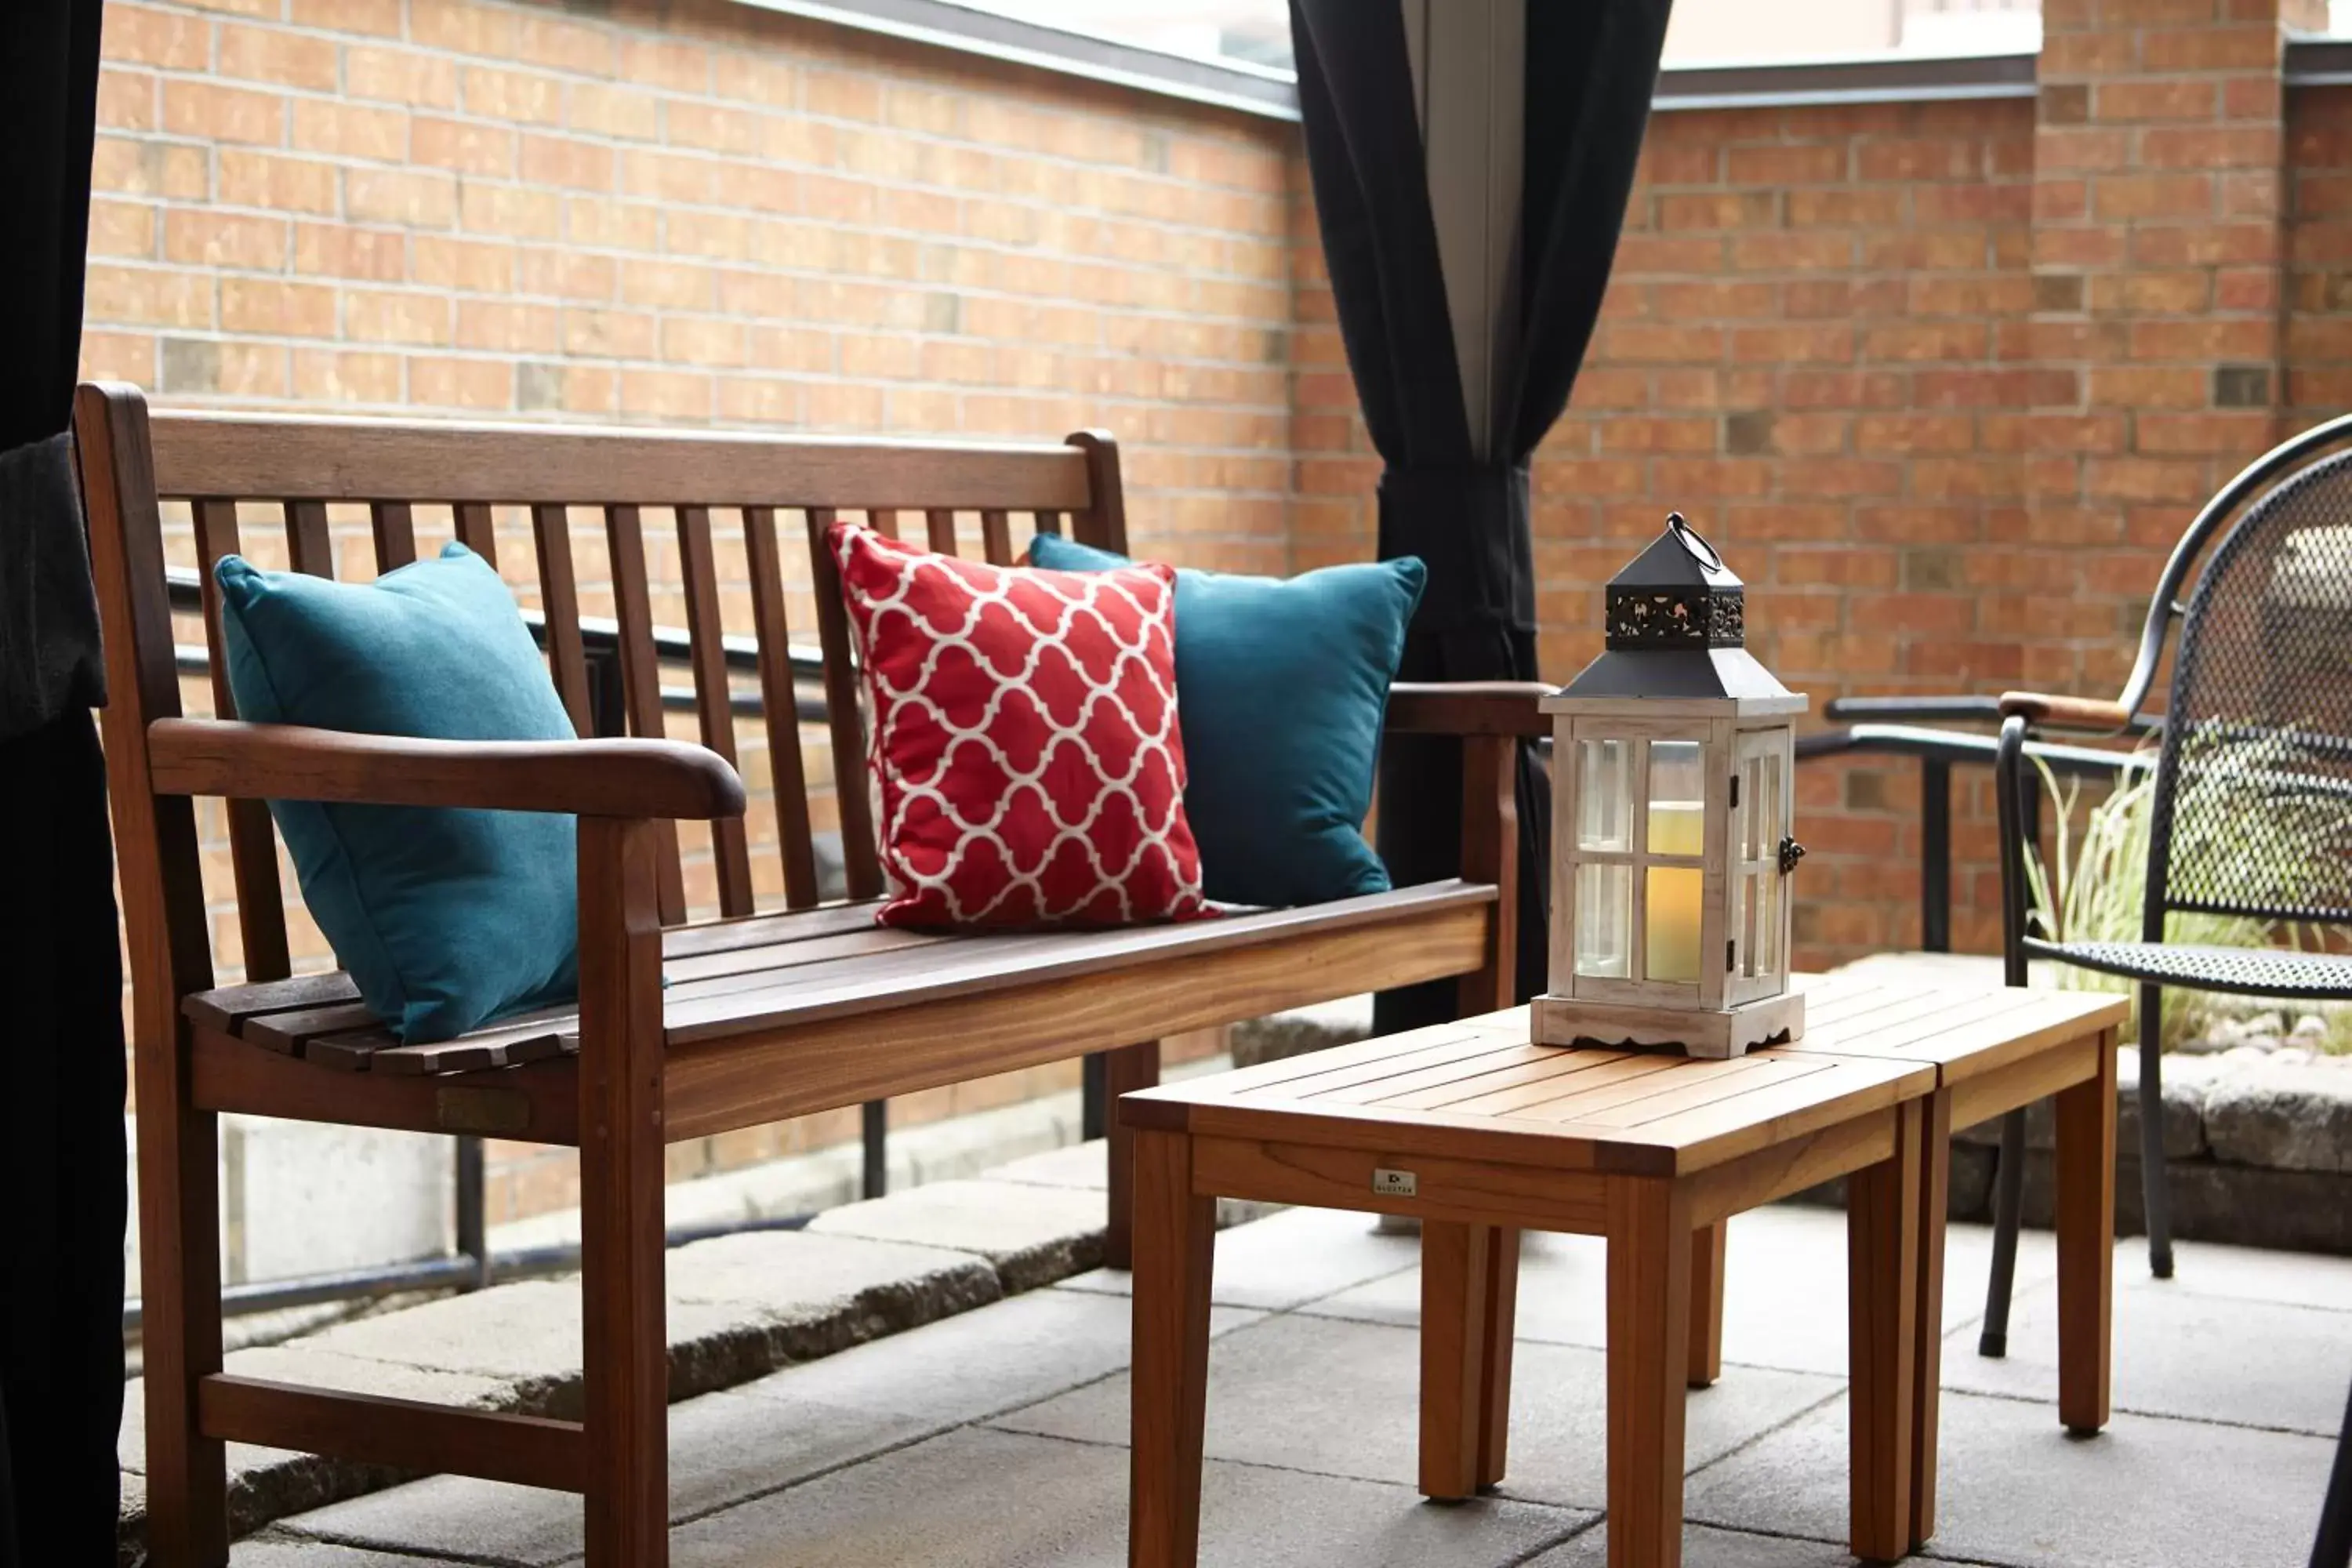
<point>770,1014</point>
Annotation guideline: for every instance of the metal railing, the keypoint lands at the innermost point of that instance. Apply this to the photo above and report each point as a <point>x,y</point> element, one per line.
<point>1937,751</point>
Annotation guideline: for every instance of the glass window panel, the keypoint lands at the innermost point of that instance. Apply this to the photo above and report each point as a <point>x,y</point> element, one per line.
<point>1772,815</point>
<point>1604,922</point>
<point>1670,924</point>
<point>1743,927</point>
<point>1677,824</point>
<point>1770,888</point>
<point>1604,788</point>
<point>1753,821</point>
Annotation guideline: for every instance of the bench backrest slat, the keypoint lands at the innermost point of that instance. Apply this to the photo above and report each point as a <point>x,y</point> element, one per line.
<point>786,490</point>
<point>780,707</point>
<point>861,864</point>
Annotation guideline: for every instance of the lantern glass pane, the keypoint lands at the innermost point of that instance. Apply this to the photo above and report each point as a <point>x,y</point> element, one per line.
<point>1603,787</point>
<point>1771,887</point>
<point>1604,922</point>
<point>1670,924</point>
<point>1771,810</point>
<point>1743,927</point>
<point>1677,801</point>
<point>1756,838</point>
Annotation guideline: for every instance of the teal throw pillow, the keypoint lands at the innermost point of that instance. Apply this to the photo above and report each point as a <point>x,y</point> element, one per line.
<point>1281,686</point>
<point>444,919</point>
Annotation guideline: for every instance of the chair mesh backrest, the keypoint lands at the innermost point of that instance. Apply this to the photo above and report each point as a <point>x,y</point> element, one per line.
<point>2253,795</point>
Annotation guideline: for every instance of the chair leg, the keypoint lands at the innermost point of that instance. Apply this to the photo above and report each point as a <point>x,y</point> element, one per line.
<point>624,1333</point>
<point>2333,1548</point>
<point>2155,1186</point>
<point>2007,1201</point>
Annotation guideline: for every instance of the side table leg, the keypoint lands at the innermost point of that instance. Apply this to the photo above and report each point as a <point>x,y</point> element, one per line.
<point>1934,1204</point>
<point>1707,1303</point>
<point>1881,1209</point>
<point>1175,1233</point>
<point>1458,1282</point>
<point>2087,1243</point>
<point>1502,1323</point>
<point>1649,1360</point>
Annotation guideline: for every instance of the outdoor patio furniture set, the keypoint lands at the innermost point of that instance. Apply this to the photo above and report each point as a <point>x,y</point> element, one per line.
<point>684,1030</point>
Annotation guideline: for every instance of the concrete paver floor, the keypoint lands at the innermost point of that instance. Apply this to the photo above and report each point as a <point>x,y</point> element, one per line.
<point>996,1440</point>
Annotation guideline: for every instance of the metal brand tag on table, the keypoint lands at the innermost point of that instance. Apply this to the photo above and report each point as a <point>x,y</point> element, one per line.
<point>1391,1184</point>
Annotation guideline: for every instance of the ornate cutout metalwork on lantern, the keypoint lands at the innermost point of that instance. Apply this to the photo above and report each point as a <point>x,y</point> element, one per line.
<point>1672,775</point>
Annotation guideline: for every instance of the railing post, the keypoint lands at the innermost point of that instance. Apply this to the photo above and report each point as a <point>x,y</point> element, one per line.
<point>1094,1096</point>
<point>876,1138</point>
<point>1935,855</point>
<point>473,1229</point>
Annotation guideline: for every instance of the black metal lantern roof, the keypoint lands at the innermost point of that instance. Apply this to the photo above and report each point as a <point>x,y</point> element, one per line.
<point>1676,595</point>
<point>1677,623</point>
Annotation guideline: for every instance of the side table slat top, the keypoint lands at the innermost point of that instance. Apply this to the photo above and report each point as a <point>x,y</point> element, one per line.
<point>1963,1030</point>
<point>1479,1087</point>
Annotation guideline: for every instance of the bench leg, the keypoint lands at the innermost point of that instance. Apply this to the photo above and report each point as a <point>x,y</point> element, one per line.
<point>1882,1297</point>
<point>1124,1073</point>
<point>1490,853</point>
<point>1176,1236</point>
<point>179,1208</point>
<point>626,1340</point>
<point>2087,1243</point>
<point>1469,1295</point>
<point>1707,1303</point>
<point>1649,1356</point>
<point>1928,1370</point>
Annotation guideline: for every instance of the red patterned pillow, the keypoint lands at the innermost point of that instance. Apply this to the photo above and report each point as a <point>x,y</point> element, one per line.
<point>1026,743</point>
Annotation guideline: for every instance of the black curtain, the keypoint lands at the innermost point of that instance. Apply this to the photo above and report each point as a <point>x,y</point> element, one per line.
<point>1591,66</point>
<point>61,1136</point>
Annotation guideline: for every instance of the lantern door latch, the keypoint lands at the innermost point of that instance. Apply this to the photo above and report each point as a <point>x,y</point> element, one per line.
<point>1791,853</point>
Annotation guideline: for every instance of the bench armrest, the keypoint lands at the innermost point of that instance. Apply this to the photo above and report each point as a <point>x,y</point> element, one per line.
<point>1469,708</point>
<point>586,778</point>
<point>2044,709</point>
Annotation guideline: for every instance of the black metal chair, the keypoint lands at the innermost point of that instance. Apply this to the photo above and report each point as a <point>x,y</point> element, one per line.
<point>2332,1546</point>
<point>2252,801</point>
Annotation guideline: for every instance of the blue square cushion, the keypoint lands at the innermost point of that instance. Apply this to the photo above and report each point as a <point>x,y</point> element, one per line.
<point>1280,690</point>
<point>444,919</point>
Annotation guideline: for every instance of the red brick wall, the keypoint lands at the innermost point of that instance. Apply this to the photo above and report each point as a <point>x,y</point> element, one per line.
<point>1944,379</point>
<point>1814,348</point>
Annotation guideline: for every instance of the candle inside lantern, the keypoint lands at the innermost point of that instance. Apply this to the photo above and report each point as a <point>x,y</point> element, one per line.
<point>1674,893</point>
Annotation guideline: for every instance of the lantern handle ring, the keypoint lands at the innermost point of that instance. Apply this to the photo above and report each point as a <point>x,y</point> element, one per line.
<point>1690,539</point>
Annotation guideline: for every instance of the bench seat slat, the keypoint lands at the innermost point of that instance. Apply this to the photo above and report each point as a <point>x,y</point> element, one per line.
<point>735,990</point>
<point>230,1008</point>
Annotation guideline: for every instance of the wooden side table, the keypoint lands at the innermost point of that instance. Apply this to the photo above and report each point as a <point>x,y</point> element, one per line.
<point>1480,1134</point>
<point>1996,1049</point>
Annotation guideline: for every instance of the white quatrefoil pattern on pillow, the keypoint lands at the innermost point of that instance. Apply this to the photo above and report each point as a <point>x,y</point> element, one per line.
<point>1026,745</point>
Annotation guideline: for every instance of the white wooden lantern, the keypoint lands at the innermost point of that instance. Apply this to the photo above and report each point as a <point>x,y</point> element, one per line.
<point>1671,773</point>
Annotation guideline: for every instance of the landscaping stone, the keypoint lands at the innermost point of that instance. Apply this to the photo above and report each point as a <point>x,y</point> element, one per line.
<point>1302,1029</point>
<point>2282,1116</point>
<point>1033,1235</point>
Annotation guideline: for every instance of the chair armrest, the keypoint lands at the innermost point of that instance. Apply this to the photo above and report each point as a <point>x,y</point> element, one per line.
<point>1469,708</point>
<point>2044,709</point>
<point>586,778</point>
